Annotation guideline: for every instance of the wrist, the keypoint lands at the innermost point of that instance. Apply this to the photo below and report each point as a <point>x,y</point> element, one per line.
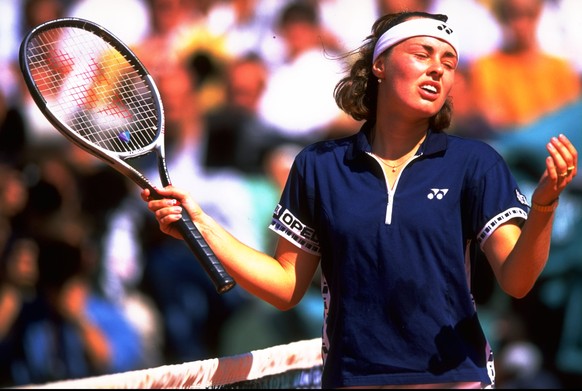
<point>545,208</point>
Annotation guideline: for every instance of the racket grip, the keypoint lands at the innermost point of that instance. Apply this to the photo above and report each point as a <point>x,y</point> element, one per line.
<point>215,270</point>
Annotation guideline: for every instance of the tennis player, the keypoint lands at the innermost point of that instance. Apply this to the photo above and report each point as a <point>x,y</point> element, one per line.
<point>396,215</point>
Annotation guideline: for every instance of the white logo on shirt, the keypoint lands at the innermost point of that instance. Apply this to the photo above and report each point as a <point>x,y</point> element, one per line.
<point>521,198</point>
<point>439,194</point>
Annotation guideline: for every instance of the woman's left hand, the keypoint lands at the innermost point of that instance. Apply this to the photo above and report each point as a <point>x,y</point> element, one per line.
<point>561,168</point>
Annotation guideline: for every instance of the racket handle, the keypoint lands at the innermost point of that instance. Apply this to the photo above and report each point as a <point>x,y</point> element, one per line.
<point>215,270</point>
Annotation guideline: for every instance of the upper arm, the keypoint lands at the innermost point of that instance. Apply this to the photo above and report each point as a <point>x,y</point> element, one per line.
<point>499,245</point>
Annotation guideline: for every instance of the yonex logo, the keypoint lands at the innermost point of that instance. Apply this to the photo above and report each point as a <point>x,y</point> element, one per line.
<point>439,194</point>
<point>444,27</point>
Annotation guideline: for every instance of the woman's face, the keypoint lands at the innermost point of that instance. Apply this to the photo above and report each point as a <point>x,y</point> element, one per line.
<point>418,75</point>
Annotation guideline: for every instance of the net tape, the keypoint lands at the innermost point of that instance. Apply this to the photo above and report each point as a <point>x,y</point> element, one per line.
<point>295,365</point>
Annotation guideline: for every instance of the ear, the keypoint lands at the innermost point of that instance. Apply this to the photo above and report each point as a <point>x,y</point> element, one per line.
<point>378,68</point>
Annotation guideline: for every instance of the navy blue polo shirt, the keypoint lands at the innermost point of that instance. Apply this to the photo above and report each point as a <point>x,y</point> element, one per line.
<point>396,263</point>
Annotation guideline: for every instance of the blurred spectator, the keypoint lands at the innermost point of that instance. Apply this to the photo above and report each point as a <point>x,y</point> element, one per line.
<point>43,137</point>
<point>121,274</point>
<point>113,15</point>
<point>191,309</point>
<point>519,363</point>
<point>53,202</point>
<point>520,366</point>
<point>169,23</point>
<point>69,331</point>
<point>9,35</point>
<point>178,33</point>
<point>13,196</point>
<point>520,83</point>
<point>305,82</point>
<point>467,121</point>
<point>559,30</point>
<point>18,279</point>
<point>13,133</point>
<point>481,31</point>
<point>36,12</point>
<point>392,6</point>
<point>237,137</point>
<point>247,26</point>
<point>106,203</point>
<point>17,18</point>
<point>337,15</point>
<point>80,197</point>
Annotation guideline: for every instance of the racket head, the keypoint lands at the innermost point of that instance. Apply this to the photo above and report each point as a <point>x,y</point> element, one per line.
<point>93,89</point>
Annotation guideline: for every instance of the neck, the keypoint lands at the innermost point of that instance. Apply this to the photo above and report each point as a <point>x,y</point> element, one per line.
<point>393,145</point>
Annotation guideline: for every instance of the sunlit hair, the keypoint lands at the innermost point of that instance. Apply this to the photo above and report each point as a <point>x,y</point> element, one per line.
<point>356,94</point>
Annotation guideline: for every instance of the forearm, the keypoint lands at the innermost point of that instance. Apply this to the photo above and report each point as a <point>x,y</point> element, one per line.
<point>529,256</point>
<point>280,281</point>
<point>256,272</point>
<point>519,261</point>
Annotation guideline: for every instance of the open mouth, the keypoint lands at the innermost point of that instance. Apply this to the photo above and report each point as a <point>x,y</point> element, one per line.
<point>429,88</point>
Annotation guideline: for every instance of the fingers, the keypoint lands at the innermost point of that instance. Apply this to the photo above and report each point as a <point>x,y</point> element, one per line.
<point>164,192</point>
<point>164,206</point>
<point>563,161</point>
<point>167,209</point>
<point>145,195</point>
<point>168,205</point>
<point>572,164</point>
<point>169,212</point>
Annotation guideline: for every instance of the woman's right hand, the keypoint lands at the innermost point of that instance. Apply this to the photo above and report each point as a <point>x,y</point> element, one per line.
<point>168,209</point>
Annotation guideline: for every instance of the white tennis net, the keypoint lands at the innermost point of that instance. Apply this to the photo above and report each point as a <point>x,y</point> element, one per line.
<point>297,365</point>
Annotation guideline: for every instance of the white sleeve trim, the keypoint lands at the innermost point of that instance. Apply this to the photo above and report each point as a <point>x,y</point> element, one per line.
<point>496,221</point>
<point>307,245</point>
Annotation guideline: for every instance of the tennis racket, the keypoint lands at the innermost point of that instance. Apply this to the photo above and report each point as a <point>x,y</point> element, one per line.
<point>95,92</point>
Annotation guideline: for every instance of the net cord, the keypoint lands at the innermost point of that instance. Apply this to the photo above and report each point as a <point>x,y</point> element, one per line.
<point>210,373</point>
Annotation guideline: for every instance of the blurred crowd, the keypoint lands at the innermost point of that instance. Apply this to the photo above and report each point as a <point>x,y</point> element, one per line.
<point>90,286</point>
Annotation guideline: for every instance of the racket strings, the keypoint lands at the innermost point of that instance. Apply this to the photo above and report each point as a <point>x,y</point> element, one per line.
<point>93,89</point>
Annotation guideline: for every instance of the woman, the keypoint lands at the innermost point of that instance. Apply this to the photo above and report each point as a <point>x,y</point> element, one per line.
<point>396,214</point>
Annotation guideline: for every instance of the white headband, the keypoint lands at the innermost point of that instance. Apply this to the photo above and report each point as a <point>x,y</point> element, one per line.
<point>414,28</point>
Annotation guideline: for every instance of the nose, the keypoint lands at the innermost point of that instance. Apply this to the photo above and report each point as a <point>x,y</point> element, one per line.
<point>436,69</point>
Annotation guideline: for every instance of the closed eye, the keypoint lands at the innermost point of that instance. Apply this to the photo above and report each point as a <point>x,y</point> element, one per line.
<point>448,58</point>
